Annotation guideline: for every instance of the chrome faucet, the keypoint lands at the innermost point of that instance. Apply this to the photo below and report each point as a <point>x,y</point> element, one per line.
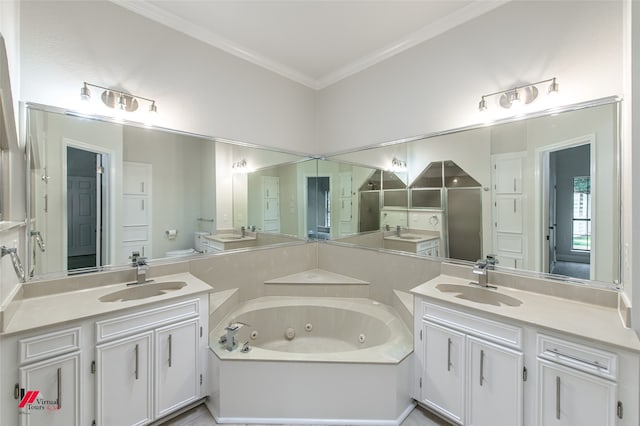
<point>398,230</point>
<point>141,270</point>
<point>17,265</point>
<point>243,231</point>
<point>481,269</point>
<point>229,339</point>
<point>141,265</point>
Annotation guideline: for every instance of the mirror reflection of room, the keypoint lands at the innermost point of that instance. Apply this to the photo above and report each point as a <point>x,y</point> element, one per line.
<point>526,191</point>
<point>103,192</point>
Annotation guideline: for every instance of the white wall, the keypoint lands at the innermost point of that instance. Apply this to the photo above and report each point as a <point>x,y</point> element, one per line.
<point>10,30</point>
<point>178,179</point>
<point>437,85</point>
<point>224,186</point>
<point>198,88</point>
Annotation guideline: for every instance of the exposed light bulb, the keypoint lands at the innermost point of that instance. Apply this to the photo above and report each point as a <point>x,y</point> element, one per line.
<point>515,99</point>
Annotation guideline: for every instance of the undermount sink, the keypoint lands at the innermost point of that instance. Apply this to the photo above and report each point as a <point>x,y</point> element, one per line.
<point>479,295</point>
<point>142,291</point>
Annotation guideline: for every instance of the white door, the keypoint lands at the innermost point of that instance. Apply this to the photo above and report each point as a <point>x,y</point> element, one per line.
<point>82,210</point>
<point>444,370</point>
<point>495,384</point>
<point>176,366</point>
<point>124,379</point>
<point>57,399</point>
<point>567,397</point>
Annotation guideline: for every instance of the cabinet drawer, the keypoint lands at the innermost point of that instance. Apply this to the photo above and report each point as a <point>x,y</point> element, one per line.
<point>49,345</point>
<point>139,321</point>
<point>488,329</point>
<point>578,356</point>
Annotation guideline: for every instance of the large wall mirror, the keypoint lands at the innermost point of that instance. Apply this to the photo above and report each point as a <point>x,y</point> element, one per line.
<point>541,193</point>
<point>100,190</point>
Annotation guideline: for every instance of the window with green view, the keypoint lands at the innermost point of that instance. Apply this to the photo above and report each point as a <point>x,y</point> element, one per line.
<point>581,214</point>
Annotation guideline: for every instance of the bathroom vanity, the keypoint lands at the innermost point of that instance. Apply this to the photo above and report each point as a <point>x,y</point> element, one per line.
<point>89,357</point>
<point>423,244</point>
<point>511,357</point>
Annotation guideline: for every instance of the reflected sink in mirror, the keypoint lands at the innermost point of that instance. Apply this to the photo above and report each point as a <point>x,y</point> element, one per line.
<point>231,241</point>
<point>142,291</point>
<point>485,296</point>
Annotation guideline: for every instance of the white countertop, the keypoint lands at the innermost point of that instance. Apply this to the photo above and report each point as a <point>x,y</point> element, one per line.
<point>42,311</point>
<point>598,323</point>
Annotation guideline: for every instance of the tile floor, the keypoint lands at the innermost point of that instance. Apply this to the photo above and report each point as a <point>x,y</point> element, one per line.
<point>200,416</point>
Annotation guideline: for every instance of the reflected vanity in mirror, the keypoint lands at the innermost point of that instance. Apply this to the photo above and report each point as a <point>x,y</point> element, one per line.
<point>541,193</point>
<point>101,190</point>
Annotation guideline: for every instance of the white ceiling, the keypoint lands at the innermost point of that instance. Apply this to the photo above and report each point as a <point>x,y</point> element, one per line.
<point>316,43</point>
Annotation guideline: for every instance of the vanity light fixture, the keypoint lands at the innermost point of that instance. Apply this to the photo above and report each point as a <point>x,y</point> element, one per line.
<point>482,106</point>
<point>519,95</point>
<point>117,99</point>
<point>398,165</point>
<point>239,166</point>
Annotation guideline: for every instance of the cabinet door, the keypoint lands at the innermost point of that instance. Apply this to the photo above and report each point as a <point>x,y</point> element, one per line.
<point>135,210</point>
<point>124,379</point>
<point>495,384</point>
<point>444,370</point>
<point>567,397</point>
<point>177,378</point>
<point>509,215</point>
<point>136,178</point>
<point>271,209</point>
<point>508,175</point>
<point>345,184</point>
<point>271,187</point>
<point>52,392</point>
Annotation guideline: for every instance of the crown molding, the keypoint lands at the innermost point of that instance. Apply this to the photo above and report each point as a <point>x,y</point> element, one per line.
<point>179,24</point>
<point>469,12</point>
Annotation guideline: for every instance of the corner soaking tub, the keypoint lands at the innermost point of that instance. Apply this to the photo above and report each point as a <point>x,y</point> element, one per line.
<point>312,360</point>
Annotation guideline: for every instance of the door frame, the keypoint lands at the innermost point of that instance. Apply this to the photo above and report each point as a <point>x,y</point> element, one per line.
<point>105,238</point>
<point>542,193</point>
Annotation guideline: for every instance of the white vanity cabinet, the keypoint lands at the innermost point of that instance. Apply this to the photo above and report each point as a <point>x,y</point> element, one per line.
<point>148,364</point>
<point>495,384</point>
<point>577,384</point>
<point>124,372</point>
<point>443,370</point>
<point>470,368</point>
<point>176,349</point>
<point>49,379</point>
<point>429,248</point>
